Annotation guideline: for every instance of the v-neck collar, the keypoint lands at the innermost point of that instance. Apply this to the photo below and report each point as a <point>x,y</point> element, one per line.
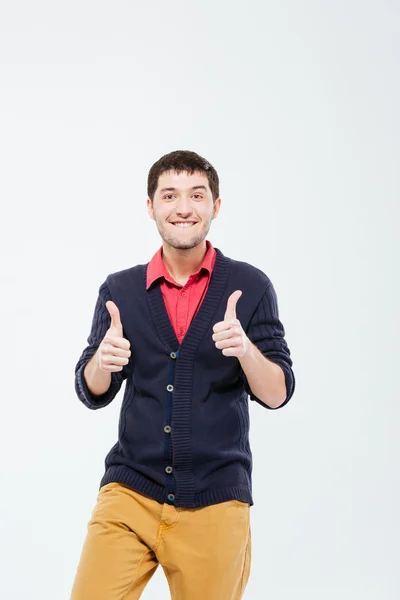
<point>202,319</point>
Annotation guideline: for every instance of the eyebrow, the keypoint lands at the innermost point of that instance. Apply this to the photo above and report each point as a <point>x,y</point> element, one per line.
<point>172,189</point>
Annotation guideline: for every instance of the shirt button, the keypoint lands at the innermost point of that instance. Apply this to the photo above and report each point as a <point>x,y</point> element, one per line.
<point>167,429</point>
<point>173,355</point>
<point>168,469</point>
<point>170,388</point>
<point>184,294</point>
<point>198,277</point>
<point>171,497</point>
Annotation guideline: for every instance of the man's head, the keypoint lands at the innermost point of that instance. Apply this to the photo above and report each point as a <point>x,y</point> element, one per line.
<point>183,188</point>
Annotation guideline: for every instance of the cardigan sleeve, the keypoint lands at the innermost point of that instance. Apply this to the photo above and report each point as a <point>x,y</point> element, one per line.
<point>100,324</point>
<point>267,332</point>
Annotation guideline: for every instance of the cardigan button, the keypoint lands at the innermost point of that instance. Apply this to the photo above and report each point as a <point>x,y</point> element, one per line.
<point>168,469</point>
<point>167,429</point>
<point>173,355</point>
<point>171,497</point>
<point>170,388</point>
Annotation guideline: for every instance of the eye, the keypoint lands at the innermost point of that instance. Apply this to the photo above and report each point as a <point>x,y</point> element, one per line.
<point>198,196</point>
<point>168,197</point>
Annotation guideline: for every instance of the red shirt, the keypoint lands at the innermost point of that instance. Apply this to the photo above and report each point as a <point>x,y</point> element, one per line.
<point>182,301</point>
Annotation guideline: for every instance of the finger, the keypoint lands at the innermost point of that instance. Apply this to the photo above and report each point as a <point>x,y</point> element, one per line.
<point>111,368</point>
<point>110,359</point>
<point>227,333</point>
<point>230,343</point>
<point>117,341</point>
<point>230,352</point>
<point>108,363</point>
<point>114,314</point>
<point>230,312</point>
<point>225,325</point>
<point>108,348</point>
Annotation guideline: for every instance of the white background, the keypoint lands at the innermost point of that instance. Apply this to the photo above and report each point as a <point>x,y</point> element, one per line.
<point>296,104</point>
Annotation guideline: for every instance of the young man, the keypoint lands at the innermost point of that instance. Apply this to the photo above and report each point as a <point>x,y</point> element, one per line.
<point>193,333</point>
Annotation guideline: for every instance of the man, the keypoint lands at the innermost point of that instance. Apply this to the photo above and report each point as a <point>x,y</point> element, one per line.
<point>193,333</point>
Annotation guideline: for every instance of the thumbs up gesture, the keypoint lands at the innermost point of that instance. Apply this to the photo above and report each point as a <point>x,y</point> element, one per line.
<point>228,334</point>
<point>114,350</point>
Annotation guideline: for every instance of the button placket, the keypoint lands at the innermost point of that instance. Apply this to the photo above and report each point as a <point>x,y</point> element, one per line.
<point>182,310</point>
<point>167,428</point>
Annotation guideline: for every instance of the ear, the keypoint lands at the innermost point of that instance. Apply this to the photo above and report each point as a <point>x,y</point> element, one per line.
<point>150,208</point>
<point>217,206</point>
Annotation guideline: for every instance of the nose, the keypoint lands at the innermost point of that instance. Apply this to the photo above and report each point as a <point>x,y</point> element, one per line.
<point>184,208</point>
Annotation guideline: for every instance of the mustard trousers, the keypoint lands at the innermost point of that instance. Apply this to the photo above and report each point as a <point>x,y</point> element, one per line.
<point>205,552</point>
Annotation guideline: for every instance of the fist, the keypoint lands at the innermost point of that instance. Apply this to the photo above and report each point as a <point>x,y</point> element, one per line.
<point>114,351</point>
<point>228,334</point>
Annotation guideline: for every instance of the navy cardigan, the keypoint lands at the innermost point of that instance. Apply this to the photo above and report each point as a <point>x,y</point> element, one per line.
<point>183,433</point>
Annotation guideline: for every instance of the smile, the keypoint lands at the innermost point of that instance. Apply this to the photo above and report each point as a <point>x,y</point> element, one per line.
<point>186,224</point>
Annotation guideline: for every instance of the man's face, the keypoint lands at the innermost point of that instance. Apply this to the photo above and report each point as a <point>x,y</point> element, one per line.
<point>183,208</point>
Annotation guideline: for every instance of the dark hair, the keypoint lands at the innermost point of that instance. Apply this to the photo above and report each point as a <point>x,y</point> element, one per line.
<point>182,160</point>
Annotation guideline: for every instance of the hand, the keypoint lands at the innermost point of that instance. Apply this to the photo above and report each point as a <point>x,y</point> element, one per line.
<point>228,334</point>
<point>113,352</point>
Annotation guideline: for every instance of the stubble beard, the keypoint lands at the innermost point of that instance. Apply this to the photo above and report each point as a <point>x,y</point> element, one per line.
<point>178,244</point>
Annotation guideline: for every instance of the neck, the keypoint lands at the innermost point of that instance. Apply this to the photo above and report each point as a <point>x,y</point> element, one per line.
<point>183,263</point>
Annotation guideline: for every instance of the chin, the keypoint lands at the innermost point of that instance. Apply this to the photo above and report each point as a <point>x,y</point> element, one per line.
<point>183,244</point>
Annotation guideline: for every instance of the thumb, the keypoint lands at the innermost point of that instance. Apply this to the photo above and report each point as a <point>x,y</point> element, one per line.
<point>115,316</point>
<point>230,312</point>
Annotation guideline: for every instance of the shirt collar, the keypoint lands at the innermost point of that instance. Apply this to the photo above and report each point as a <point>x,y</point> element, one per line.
<point>156,267</point>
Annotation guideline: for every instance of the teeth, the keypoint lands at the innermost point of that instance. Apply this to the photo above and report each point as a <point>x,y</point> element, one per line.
<point>183,224</point>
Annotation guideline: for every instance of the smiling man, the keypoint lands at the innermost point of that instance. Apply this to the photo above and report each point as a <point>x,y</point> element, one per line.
<point>194,334</point>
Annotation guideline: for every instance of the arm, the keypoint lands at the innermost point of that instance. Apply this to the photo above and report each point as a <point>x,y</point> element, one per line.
<point>98,381</point>
<point>94,387</point>
<point>266,368</point>
<point>265,379</point>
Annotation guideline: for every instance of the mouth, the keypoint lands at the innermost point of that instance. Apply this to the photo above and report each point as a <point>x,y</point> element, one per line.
<point>183,224</point>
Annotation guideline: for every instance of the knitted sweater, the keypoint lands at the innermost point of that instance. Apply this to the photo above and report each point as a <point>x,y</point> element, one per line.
<point>183,434</point>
